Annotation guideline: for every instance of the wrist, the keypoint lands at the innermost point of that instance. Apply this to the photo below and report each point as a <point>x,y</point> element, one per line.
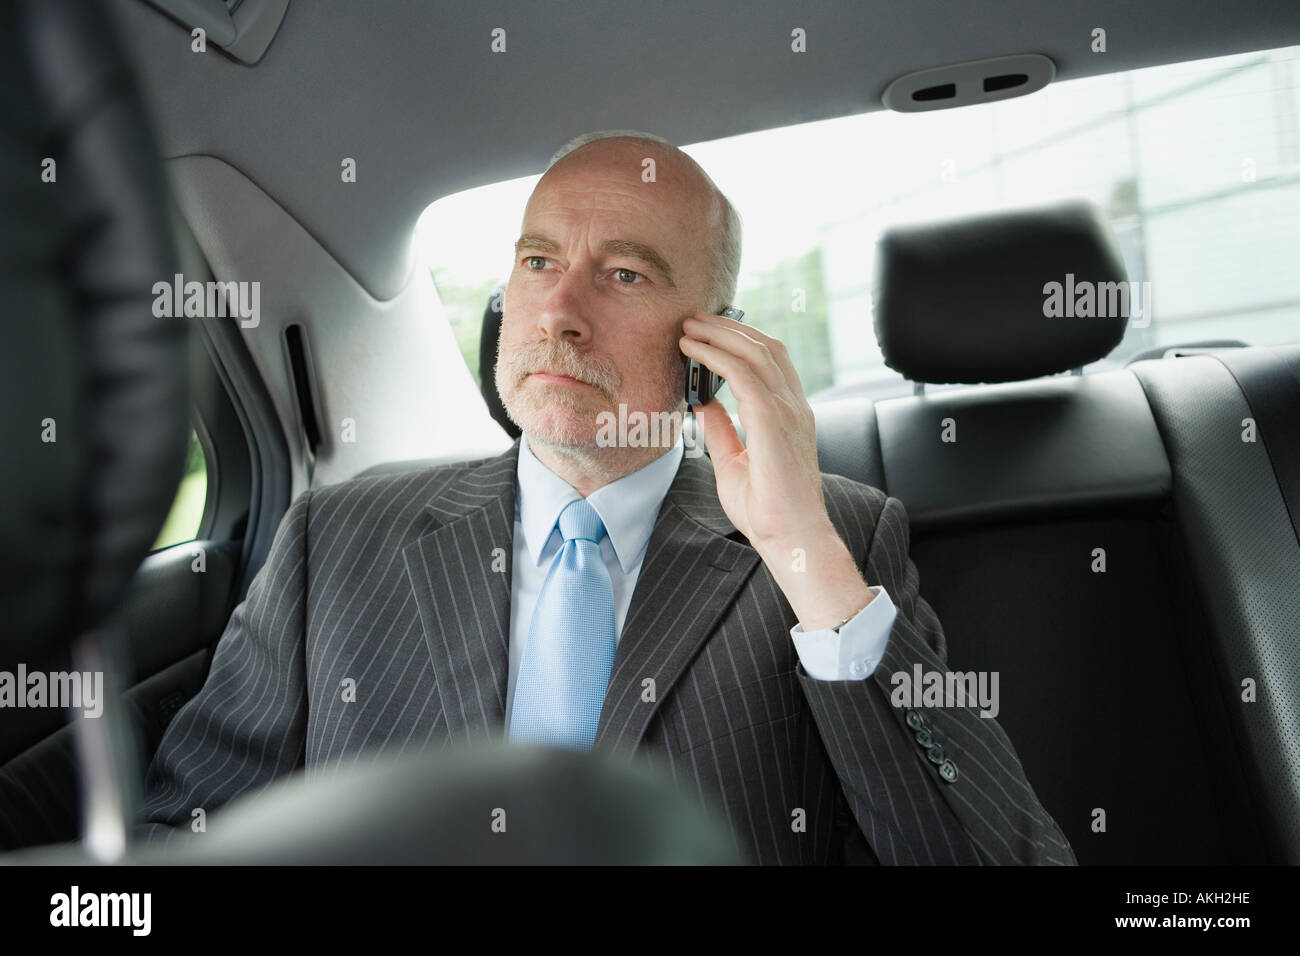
<point>821,540</point>
<point>818,577</point>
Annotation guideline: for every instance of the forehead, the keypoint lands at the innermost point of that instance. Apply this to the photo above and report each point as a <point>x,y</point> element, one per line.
<point>601,190</point>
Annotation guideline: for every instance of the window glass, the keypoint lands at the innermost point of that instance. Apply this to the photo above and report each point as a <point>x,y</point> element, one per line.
<point>187,510</point>
<point>1196,165</point>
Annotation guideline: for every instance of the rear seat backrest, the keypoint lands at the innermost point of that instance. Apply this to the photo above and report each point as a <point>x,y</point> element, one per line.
<point>1045,534</point>
<point>1079,443</point>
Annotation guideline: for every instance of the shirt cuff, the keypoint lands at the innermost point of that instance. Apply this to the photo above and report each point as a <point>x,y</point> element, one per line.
<point>853,652</point>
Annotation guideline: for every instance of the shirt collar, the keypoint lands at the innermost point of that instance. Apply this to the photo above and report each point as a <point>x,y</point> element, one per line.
<point>629,506</point>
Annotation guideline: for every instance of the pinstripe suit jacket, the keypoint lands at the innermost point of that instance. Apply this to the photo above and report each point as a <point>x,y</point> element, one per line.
<point>401,583</point>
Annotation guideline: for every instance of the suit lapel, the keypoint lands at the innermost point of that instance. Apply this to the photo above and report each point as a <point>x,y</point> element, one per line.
<point>696,563</point>
<point>461,585</point>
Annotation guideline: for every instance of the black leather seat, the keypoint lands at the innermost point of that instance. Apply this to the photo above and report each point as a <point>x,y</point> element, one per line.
<point>1238,507</point>
<point>1121,687</point>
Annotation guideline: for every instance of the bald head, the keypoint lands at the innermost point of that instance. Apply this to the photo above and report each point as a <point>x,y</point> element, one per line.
<point>684,182</point>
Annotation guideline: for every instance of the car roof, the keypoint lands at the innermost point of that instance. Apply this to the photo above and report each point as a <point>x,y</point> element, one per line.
<point>414,93</point>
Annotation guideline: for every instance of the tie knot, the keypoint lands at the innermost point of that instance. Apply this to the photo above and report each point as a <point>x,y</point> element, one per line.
<point>579,520</point>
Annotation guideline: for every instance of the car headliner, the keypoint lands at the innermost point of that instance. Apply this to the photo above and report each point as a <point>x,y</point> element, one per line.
<point>412,91</point>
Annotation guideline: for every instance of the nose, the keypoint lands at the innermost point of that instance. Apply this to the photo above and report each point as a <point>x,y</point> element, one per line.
<point>566,309</point>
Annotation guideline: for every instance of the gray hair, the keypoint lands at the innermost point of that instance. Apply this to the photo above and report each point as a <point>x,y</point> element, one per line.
<point>724,270</point>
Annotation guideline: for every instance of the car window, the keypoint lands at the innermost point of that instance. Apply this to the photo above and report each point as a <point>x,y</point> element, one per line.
<point>186,515</point>
<point>1196,165</point>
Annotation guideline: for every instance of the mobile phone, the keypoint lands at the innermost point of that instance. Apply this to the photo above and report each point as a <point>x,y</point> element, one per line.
<point>702,383</point>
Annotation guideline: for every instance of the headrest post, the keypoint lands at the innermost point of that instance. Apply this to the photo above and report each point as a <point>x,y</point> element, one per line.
<point>105,748</point>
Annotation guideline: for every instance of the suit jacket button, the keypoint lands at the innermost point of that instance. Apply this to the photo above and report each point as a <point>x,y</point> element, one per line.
<point>924,739</point>
<point>915,720</point>
<point>948,770</point>
<point>935,754</point>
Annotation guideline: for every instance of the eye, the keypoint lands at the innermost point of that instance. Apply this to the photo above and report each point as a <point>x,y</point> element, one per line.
<point>623,274</point>
<point>530,260</point>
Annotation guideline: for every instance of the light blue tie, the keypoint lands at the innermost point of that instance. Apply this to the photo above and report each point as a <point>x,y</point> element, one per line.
<point>562,678</point>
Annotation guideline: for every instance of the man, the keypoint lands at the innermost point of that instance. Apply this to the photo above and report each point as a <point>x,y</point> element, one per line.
<point>737,616</point>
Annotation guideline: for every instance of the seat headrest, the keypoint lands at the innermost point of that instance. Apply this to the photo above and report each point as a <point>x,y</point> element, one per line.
<point>93,383</point>
<point>489,336</point>
<point>1003,297</point>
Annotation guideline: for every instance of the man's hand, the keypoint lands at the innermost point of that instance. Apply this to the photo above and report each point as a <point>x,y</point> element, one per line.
<point>771,489</point>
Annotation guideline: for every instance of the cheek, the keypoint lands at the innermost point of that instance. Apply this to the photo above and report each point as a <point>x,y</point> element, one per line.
<point>507,348</point>
<point>653,365</point>
<point>505,338</point>
<point>511,334</point>
<point>514,301</point>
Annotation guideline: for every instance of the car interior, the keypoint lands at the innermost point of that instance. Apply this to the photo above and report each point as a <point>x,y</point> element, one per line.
<point>1114,531</point>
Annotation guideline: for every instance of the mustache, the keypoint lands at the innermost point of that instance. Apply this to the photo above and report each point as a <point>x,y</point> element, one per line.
<point>566,360</point>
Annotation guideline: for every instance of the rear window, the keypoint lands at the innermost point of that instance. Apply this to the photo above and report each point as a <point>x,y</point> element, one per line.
<point>1197,166</point>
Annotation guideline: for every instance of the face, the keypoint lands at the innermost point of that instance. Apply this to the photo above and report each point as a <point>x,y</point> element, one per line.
<point>605,271</point>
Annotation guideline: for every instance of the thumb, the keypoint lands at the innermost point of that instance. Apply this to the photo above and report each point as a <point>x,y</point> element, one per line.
<point>718,432</point>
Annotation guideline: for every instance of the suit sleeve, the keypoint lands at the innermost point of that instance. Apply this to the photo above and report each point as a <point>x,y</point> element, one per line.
<point>909,806</point>
<point>247,725</point>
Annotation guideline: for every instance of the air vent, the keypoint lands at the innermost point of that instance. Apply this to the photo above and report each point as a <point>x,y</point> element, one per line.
<point>1008,82</point>
<point>945,92</point>
<point>965,84</point>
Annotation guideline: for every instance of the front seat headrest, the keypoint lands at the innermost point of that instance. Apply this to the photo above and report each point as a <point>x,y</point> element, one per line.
<point>1003,297</point>
<point>93,383</point>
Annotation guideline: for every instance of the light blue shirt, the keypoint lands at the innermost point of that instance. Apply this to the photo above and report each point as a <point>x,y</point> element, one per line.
<point>629,507</point>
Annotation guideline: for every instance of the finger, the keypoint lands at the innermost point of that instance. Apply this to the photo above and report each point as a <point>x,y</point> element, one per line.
<point>719,433</point>
<point>764,412</point>
<point>780,353</point>
<point>736,338</point>
<point>749,389</point>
